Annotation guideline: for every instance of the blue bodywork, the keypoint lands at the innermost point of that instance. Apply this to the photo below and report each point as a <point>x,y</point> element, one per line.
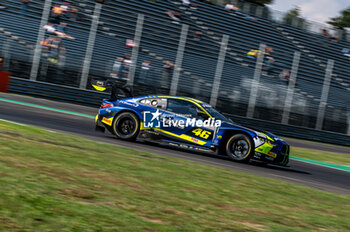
<point>268,147</point>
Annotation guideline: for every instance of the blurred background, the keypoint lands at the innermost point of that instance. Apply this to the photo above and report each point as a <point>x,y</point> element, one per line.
<point>246,60</point>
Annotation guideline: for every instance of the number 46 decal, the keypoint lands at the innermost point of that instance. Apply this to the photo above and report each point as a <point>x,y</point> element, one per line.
<point>201,133</point>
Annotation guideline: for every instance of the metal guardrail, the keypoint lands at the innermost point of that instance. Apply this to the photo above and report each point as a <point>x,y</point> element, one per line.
<point>294,131</point>
<point>94,98</point>
<point>56,92</point>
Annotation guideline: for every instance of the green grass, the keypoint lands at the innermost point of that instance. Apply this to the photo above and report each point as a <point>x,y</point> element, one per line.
<point>324,156</point>
<point>329,157</point>
<point>56,182</point>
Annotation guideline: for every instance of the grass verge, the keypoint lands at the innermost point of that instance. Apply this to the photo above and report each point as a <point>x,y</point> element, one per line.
<point>324,156</point>
<point>57,182</point>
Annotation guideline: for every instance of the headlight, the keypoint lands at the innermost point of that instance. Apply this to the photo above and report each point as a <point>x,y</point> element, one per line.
<point>261,136</point>
<point>259,139</point>
<point>264,139</point>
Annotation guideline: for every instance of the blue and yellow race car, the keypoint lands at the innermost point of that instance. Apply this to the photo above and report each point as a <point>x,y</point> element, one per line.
<point>190,124</point>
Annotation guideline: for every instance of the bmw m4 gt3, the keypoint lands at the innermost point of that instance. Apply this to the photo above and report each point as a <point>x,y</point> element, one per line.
<point>190,124</point>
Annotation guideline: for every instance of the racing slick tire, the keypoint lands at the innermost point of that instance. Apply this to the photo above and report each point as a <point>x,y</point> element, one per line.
<point>239,147</point>
<point>126,126</point>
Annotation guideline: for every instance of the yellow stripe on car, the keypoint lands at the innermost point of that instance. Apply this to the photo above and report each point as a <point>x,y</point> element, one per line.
<point>182,98</point>
<point>268,137</point>
<point>142,128</point>
<point>183,136</point>
<point>194,101</point>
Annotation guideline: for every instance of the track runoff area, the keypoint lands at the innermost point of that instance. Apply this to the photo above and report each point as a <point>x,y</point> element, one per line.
<point>79,120</point>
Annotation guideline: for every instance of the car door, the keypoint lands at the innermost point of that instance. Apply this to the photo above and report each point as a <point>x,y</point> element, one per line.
<point>181,123</point>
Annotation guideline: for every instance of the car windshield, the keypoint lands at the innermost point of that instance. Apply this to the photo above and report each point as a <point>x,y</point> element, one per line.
<point>215,114</point>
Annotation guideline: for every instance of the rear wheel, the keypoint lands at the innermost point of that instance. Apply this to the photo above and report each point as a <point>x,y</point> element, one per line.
<point>126,126</point>
<point>239,147</point>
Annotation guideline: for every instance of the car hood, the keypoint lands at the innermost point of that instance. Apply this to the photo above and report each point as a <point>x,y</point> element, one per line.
<point>252,131</point>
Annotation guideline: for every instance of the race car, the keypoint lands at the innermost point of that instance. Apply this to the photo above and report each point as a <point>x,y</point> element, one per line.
<point>190,124</point>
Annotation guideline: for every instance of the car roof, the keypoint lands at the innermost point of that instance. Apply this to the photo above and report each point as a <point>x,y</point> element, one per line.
<point>176,97</point>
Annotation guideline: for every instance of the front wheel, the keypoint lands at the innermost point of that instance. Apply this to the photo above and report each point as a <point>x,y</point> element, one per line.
<point>126,126</point>
<point>239,147</point>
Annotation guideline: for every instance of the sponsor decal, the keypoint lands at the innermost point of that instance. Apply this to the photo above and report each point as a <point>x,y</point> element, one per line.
<point>180,145</point>
<point>201,149</point>
<point>257,155</point>
<point>184,146</point>
<point>188,147</point>
<point>129,103</point>
<point>152,132</point>
<point>107,121</point>
<point>272,154</point>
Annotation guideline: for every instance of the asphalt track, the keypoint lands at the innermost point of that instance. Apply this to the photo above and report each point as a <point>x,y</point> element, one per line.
<point>311,175</point>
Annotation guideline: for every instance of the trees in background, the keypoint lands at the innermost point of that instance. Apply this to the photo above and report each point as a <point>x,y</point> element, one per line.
<point>293,17</point>
<point>342,21</point>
